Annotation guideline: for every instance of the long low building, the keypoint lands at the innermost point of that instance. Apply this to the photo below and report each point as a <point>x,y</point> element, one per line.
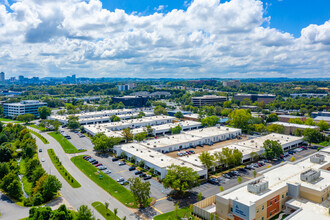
<point>132,123</point>
<point>291,128</point>
<point>153,159</point>
<point>301,188</point>
<point>253,145</point>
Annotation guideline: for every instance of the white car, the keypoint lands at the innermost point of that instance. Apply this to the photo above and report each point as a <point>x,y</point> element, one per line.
<point>43,160</point>
<point>107,171</point>
<point>121,179</point>
<point>102,167</point>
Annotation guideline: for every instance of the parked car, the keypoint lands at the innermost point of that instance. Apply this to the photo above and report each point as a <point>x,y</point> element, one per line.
<point>214,181</point>
<point>102,167</point>
<point>124,182</point>
<point>242,170</point>
<point>286,154</point>
<point>40,150</point>
<point>120,179</point>
<point>121,163</point>
<point>226,176</point>
<point>91,160</point>
<point>249,167</point>
<point>131,168</point>
<point>138,172</point>
<point>115,159</point>
<point>98,164</point>
<point>142,175</point>
<point>95,162</point>
<point>147,177</point>
<point>86,157</point>
<point>107,171</point>
<point>191,151</point>
<point>43,160</point>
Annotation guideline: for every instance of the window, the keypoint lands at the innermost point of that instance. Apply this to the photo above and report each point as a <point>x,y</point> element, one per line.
<point>275,211</point>
<point>257,210</point>
<point>262,218</point>
<point>262,207</point>
<point>275,200</point>
<point>286,194</point>
<point>271,202</point>
<point>270,214</point>
<point>282,196</point>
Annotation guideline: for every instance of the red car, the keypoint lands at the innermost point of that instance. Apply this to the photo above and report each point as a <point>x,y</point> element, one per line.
<point>86,157</point>
<point>99,164</point>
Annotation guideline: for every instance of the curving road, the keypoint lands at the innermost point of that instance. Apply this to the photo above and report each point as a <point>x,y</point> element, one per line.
<point>89,192</point>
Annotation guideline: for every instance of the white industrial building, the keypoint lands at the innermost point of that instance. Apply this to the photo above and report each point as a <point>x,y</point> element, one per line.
<point>153,159</point>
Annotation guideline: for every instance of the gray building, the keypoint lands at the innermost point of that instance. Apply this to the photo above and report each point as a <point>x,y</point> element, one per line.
<point>207,100</point>
<point>232,83</point>
<point>23,107</point>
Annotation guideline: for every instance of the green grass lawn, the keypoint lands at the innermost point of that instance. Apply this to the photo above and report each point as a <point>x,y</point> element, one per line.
<point>60,168</point>
<point>26,184</point>
<point>6,119</point>
<point>66,145</point>
<point>181,213</point>
<point>37,127</point>
<point>107,183</point>
<point>107,214</point>
<point>42,138</point>
<point>324,143</point>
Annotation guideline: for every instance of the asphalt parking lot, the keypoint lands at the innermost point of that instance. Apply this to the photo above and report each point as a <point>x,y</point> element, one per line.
<point>79,142</point>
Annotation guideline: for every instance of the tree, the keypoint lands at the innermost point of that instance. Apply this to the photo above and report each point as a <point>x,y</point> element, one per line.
<point>323,125</point>
<point>272,118</point>
<point>5,154</point>
<point>141,114</point>
<point>246,101</point>
<point>227,104</point>
<point>114,118</point>
<point>298,132</point>
<point>309,121</point>
<point>207,159</point>
<point>115,211</point>
<point>37,213</point>
<point>210,121</point>
<point>140,190</point>
<point>128,135</point>
<point>159,110</point>
<point>106,204</point>
<point>312,136</point>
<point>141,136</point>
<point>176,130</point>
<point>149,130</point>
<point>84,213</point>
<point>275,128</point>
<point>15,189</point>
<point>180,178</point>
<point>239,119</point>
<point>178,115</point>
<point>254,173</point>
<point>50,187</point>
<point>295,121</point>
<point>260,128</point>
<point>292,159</point>
<point>73,122</point>
<point>239,179</point>
<point>162,104</point>
<point>199,196</point>
<point>4,170</point>
<point>272,149</point>
<point>104,143</point>
<point>26,118</point>
<point>44,112</point>
<point>221,188</point>
<point>254,156</point>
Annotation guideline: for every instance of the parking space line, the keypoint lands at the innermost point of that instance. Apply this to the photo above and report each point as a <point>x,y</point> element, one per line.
<point>157,210</point>
<point>121,171</point>
<point>161,199</point>
<point>247,177</point>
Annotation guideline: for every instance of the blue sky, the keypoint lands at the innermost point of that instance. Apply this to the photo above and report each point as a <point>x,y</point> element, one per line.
<point>149,38</point>
<point>286,15</point>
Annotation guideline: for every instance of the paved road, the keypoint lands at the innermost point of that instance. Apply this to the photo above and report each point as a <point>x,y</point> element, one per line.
<point>9,210</point>
<point>89,192</point>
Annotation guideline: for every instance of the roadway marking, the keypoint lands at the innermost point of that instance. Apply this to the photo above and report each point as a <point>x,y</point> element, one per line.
<point>161,199</point>
<point>121,171</point>
<point>248,178</point>
<point>160,212</point>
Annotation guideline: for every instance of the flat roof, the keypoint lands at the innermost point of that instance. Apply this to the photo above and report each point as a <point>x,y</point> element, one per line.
<point>155,157</point>
<point>290,116</point>
<point>324,118</point>
<point>183,125</point>
<point>212,131</point>
<point>287,124</point>
<point>170,140</point>
<point>279,176</point>
<point>309,210</point>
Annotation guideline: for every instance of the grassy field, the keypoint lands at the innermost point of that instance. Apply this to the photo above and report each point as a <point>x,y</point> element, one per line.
<point>66,145</point>
<point>37,127</point>
<point>5,119</point>
<point>60,168</point>
<point>181,213</point>
<point>107,214</point>
<point>107,183</point>
<point>26,184</point>
<point>42,138</point>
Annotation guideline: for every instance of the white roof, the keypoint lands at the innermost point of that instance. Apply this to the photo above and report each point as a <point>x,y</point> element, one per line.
<point>212,131</point>
<point>183,125</point>
<point>154,157</point>
<point>322,118</point>
<point>279,177</point>
<point>310,210</point>
<point>170,140</point>
<point>286,124</point>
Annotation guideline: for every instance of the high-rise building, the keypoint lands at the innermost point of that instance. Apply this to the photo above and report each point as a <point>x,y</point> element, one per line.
<point>2,77</point>
<point>21,78</point>
<point>22,108</point>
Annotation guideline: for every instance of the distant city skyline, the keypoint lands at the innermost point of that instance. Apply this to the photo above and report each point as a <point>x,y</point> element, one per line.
<point>165,39</point>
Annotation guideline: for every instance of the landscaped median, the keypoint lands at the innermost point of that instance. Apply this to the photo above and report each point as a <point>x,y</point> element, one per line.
<point>176,214</point>
<point>37,127</point>
<point>66,145</point>
<point>106,213</point>
<point>60,168</point>
<point>107,183</point>
<point>42,138</point>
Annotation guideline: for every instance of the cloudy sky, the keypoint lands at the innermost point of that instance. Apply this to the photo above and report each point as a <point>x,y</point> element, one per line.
<point>165,38</point>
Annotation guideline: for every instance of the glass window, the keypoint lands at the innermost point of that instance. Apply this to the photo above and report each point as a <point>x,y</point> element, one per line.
<point>262,207</point>
<point>282,196</point>
<point>271,202</point>
<point>257,210</point>
<point>275,200</point>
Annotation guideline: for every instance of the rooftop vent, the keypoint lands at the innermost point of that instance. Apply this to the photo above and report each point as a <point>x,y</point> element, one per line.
<point>317,158</point>
<point>310,175</point>
<point>257,187</point>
